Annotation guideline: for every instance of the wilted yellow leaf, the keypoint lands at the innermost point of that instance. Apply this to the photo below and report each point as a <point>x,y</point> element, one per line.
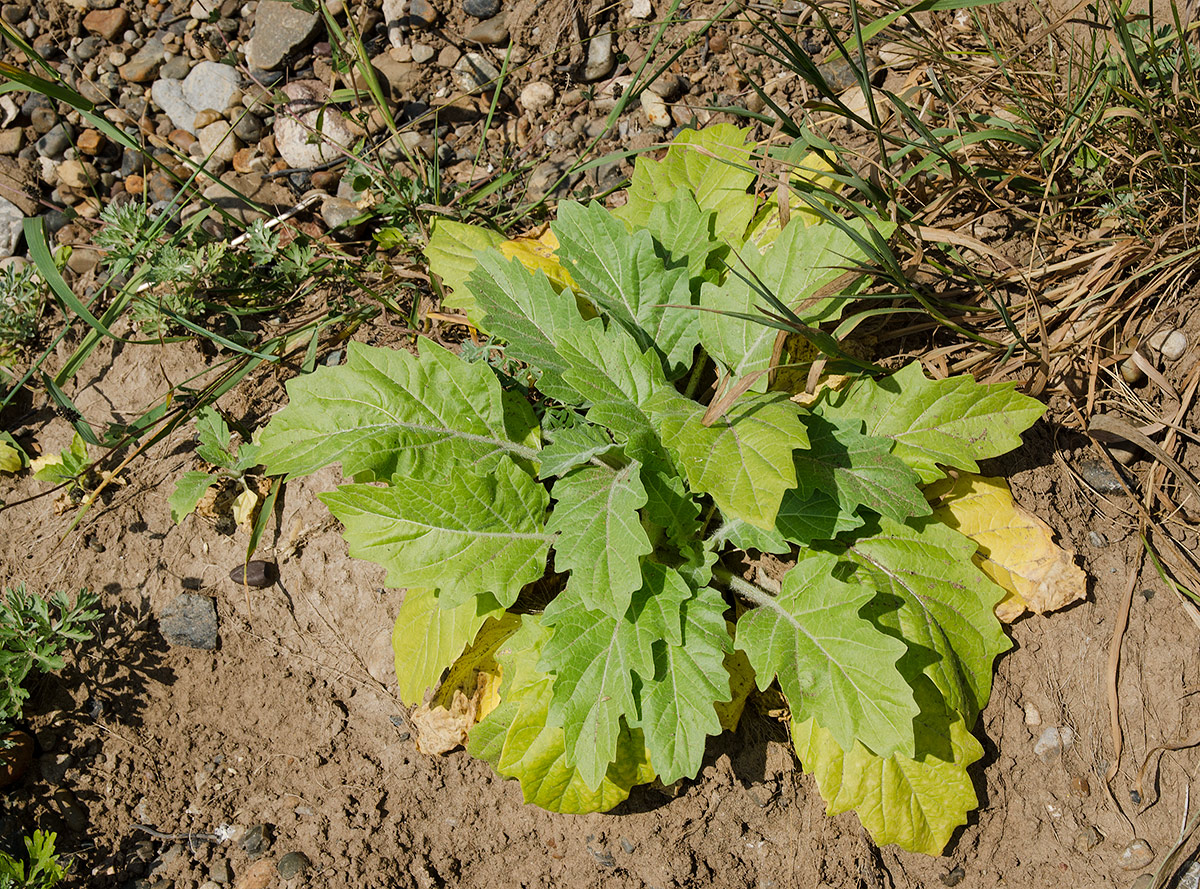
<point>243,507</point>
<point>741,683</point>
<point>37,464</point>
<point>537,254</point>
<point>10,458</point>
<point>1016,548</point>
<point>470,691</point>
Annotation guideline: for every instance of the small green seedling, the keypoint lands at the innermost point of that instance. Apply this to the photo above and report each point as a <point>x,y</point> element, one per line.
<point>229,464</point>
<point>43,869</point>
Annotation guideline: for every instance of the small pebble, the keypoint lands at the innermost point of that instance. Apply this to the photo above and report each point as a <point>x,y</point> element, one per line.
<point>1098,476</point>
<point>255,573</point>
<point>718,42</point>
<point>1033,716</point>
<point>481,9</point>
<point>422,53</point>
<point>1054,739</point>
<point>640,9</point>
<point>1190,878</point>
<point>1136,855</point>
<point>1080,785</point>
<point>1171,344</point>
<point>256,838</point>
<point>190,621</point>
<point>490,32</point>
<point>1088,839</point>
<point>1096,539</point>
<point>656,110</point>
<point>1131,373</point>
<point>292,865</point>
<point>537,95</point>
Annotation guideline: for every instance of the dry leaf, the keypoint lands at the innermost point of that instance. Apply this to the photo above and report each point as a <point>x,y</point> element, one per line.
<point>1016,548</point>
<point>469,693</point>
<point>243,507</point>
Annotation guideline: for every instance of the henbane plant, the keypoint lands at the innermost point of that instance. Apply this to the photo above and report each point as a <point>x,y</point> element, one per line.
<point>596,515</point>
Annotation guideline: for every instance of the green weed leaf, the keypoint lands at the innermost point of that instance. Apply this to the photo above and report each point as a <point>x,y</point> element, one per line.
<point>451,256</point>
<point>953,422</point>
<point>214,436</point>
<point>386,412</point>
<point>467,536</point>
<point>189,489</point>
<point>600,535</point>
<point>829,659</point>
<point>573,447</point>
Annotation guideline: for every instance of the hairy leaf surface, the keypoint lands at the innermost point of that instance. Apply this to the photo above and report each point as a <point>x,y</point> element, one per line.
<point>523,309</point>
<point>685,235</point>
<point>465,537</point>
<point>954,421</point>
<point>519,741</point>
<point>831,661</point>
<point>819,516</point>
<point>624,276</point>
<point>714,163</point>
<point>929,567</point>
<point>744,459</point>
<point>573,447</point>
<point>427,638</point>
<point>856,470</point>
<point>600,535</point>
<point>802,260</point>
<point>386,412</point>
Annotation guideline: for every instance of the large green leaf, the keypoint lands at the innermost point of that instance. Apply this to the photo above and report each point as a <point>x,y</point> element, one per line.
<point>523,309</point>
<point>856,470</point>
<point>715,164</point>
<point>573,447</point>
<point>915,803</point>
<point>616,378</point>
<point>600,535</point>
<point>804,259</point>
<point>621,272</point>
<point>685,235</point>
<point>467,536</point>
<point>744,459</point>
<point>954,421</point>
<point>451,256</point>
<point>950,604</point>
<point>690,677</point>
<point>427,638</point>
<point>519,742</point>
<point>830,660</point>
<point>819,516</point>
<point>387,412</point>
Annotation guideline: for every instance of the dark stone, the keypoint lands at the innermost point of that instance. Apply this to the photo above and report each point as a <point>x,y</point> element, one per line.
<point>481,9</point>
<point>249,128</point>
<point>421,14</point>
<point>14,13</point>
<point>256,839</point>
<point>256,573</point>
<point>292,865</point>
<point>190,621</point>
<point>54,220</point>
<point>1100,477</point>
<point>88,49</point>
<point>55,142</point>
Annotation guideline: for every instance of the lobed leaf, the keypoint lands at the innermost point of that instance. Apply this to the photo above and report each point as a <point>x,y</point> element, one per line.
<point>451,256</point>
<point>573,447</point>
<point>685,235</point>
<point>831,660</point>
<point>520,742</point>
<point>189,489</point>
<point>953,422</point>
<point>428,638</point>
<point>713,164</point>
<point>623,274</point>
<point>600,536</point>
<point>928,567</point>
<point>386,412</point>
<point>465,537</point>
<point>819,516</point>
<point>915,803</point>
<point>856,470</point>
<point>744,459</point>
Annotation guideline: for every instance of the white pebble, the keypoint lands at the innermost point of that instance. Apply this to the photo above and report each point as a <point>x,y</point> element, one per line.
<point>1032,715</point>
<point>656,110</point>
<point>537,96</point>
<point>1174,345</point>
<point>640,9</point>
<point>1053,739</point>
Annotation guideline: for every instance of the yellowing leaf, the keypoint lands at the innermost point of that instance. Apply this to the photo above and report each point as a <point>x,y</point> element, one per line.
<point>10,458</point>
<point>741,681</point>
<point>37,464</point>
<point>538,254</point>
<point>1016,548</point>
<point>810,174</point>
<point>244,506</point>
<point>469,693</point>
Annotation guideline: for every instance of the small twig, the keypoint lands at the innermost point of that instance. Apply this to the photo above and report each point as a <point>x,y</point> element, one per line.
<point>179,837</point>
<point>1114,664</point>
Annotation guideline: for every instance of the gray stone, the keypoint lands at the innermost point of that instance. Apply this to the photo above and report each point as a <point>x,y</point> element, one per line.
<point>1100,477</point>
<point>296,121</point>
<point>544,176</point>
<point>473,71</point>
<point>292,865</point>
<point>422,53</point>
<point>337,212</point>
<point>89,47</point>
<point>491,32</point>
<point>600,57</point>
<point>209,85</point>
<point>481,9</point>
<point>11,219</point>
<point>249,128</point>
<point>219,871</point>
<point>394,20</point>
<point>175,68</point>
<point>279,30</point>
<point>217,142</point>
<point>1136,856</point>
<point>55,142</point>
<point>190,621</point>
<point>537,95</point>
<point>145,62</point>
<point>256,839</point>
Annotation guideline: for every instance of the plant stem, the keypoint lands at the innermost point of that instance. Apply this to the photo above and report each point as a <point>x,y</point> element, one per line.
<point>744,588</point>
<point>694,380</point>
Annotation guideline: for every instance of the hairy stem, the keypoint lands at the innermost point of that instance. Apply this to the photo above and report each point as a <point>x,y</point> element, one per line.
<point>744,588</point>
